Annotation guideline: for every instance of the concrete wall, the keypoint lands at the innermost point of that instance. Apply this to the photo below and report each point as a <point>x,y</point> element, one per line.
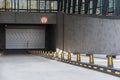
<point>75,33</point>
<point>26,18</point>
<point>91,35</point>
<point>59,32</point>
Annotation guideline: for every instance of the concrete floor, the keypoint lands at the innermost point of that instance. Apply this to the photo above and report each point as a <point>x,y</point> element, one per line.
<point>29,67</point>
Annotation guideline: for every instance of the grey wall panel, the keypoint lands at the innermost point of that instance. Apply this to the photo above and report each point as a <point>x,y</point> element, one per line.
<point>25,38</point>
<point>6,17</point>
<point>91,35</point>
<point>26,18</point>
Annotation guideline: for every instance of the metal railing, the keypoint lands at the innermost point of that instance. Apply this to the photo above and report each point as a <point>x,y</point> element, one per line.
<point>89,7</point>
<point>29,5</point>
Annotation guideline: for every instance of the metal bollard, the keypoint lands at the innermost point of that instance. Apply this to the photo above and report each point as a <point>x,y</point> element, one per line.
<point>78,58</point>
<point>110,61</point>
<point>53,54</point>
<point>62,55</point>
<point>56,55</point>
<point>91,59</point>
<point>45,53</point>
<point>48,53</point>
<point>69,56</point>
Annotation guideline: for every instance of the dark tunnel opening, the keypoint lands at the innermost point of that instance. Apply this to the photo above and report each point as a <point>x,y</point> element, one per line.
<point>19,38</point>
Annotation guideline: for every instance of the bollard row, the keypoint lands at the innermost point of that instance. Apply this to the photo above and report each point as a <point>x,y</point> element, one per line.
<point>90,65</point>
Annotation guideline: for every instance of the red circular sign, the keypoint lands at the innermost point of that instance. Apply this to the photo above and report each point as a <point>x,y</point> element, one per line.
<point>43,19</point>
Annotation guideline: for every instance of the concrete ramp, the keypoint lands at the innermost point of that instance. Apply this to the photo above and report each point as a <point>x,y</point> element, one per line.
<point>29,67</point>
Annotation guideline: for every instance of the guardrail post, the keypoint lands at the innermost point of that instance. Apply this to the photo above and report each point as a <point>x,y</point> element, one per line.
<point>69,56</point>
<point>110,61</point>
<point>91,59</point>
<point>78,58</point>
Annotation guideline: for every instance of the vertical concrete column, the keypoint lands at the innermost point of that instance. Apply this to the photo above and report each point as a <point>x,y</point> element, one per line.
<point>110,61</point>
<point>91,59</point>
<point>78,57</point>
<point>69,56</point>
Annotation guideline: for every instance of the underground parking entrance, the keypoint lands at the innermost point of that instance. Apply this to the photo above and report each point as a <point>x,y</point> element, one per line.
<point>20,38</point>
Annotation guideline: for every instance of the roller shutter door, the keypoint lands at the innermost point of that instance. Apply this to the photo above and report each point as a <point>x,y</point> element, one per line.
<point>25,38</point>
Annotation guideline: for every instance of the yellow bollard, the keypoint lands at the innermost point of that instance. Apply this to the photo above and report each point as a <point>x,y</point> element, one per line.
<point>91,59</point>
<point>39,52</point>
<point>36,52</point>
<point>110,61</point>
<point>62,55</point>
<point>48,53</point>
<point>69,56</point>
<point>56,55</point>
<point>78,58</point>
<point>53,54</point>
<point>45,52</point>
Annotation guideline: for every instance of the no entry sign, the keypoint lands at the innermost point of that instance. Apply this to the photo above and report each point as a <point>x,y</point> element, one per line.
<point>43,19</point>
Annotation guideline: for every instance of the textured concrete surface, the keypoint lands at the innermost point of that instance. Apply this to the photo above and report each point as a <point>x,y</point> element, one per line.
<point>28,67</point>
<point>91,35</point>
